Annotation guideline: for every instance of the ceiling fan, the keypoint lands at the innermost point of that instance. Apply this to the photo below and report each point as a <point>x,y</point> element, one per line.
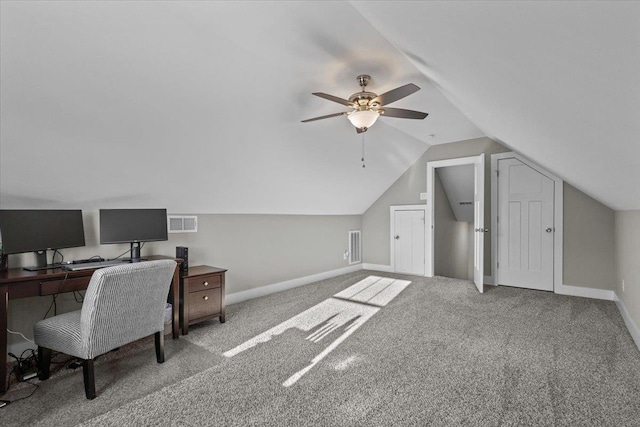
<point>368,106</point>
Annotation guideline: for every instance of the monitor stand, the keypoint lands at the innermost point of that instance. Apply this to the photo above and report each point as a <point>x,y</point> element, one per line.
<point>41,262</point>
<point>135,252</point>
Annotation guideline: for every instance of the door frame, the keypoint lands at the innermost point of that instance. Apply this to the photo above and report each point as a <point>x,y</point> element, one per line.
<point>392,227</point>
<point>429,265</point>
<point>558,215</point>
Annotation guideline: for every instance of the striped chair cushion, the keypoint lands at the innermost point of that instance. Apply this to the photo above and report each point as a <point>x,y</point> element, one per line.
<point>60,333</point>
<point>123,304</point>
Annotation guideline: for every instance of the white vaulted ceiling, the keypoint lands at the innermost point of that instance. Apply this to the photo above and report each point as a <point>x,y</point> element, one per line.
<point>557,81</point>
<point>196,106</point>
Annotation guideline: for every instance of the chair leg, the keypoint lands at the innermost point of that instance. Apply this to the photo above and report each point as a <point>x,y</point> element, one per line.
<point>160,346</point>
<point>44,362</point>
<point>89,379</point>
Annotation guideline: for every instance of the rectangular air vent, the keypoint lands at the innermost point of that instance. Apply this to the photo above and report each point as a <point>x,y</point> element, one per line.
<point>466,203</point>
<point>182,223</point>
<point>355,246</point>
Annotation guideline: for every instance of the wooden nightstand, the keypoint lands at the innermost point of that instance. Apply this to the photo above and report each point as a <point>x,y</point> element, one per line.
<point>201,295</point>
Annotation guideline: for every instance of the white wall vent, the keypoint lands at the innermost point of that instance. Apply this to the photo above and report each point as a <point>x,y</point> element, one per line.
<point>182,223</point>
<point>355,246</point>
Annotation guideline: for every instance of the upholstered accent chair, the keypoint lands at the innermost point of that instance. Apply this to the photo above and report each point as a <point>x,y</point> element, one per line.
<point>122,304</point>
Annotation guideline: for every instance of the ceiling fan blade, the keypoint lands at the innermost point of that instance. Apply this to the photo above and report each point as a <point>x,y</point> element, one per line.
<point>396,94</point>
<point>332,98</point>
<point>403,114</point>
<point>325,117</point>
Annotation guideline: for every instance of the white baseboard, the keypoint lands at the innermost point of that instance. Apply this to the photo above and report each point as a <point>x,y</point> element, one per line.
<point>634,330</point>
<point>378,267</point>
<point>579,291</point>
<point>488,280</point>
<point>287,284</point>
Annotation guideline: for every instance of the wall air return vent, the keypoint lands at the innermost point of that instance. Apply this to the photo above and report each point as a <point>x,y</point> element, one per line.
<point>355,246</point>
<point>182,223</point>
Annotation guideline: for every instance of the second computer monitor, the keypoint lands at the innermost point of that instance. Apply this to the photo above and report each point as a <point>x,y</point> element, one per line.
<point>133,226</point>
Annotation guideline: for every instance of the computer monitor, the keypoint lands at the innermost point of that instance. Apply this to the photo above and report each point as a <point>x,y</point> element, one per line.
<point>133,226</point>
<point>40,230</point>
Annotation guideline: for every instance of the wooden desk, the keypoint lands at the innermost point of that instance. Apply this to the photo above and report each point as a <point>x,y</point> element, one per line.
<point>18,283</point>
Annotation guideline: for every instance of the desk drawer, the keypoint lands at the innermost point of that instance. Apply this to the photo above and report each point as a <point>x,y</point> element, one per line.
<point>204,303</point>
<point>201,283</point>
<point>60,286</point>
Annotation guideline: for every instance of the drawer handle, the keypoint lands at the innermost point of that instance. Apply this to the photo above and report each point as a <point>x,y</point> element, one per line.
<point>206,283</point>
<point>205,297</point>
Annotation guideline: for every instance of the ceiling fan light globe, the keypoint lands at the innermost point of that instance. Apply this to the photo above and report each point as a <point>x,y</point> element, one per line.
<point>363,118</point>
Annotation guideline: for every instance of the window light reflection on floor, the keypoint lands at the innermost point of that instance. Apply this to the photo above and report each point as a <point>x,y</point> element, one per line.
<point>348,309</point>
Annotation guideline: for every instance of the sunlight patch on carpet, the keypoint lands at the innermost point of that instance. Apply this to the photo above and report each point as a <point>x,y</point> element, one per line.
<point>343,365</point>
<point>346,311</point>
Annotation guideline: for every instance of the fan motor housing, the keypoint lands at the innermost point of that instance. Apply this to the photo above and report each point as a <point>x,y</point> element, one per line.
<point>362,99</point>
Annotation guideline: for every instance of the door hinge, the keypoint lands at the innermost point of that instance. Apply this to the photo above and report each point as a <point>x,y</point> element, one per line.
<point>497,172</point>
<point>498,264</point>
<point>497,219</point>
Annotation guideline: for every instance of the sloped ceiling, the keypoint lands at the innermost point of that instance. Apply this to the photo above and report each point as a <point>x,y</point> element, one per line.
<point>557,81</point>
<point>457,182</point>
<point>196,106</point>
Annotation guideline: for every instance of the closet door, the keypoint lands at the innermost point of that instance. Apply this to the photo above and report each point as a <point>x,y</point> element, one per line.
<point>525,226</point>
<point>478,224</point>
<point>409,241</point>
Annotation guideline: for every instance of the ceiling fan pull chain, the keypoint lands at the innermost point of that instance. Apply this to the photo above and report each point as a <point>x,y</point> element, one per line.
<point>362,150</point>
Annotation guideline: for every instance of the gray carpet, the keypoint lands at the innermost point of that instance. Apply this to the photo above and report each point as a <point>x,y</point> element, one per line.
<point>438,354</point>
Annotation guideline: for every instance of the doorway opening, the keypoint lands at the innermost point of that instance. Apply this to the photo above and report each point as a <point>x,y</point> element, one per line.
<point>453,222</point>
<point>478,229</point>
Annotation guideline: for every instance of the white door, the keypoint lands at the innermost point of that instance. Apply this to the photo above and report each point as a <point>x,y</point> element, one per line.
<point>525,226</point>
<point>478,223</point>
<point>408,243</point>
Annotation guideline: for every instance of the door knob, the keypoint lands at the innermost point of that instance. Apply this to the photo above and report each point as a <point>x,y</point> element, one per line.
<point>486,230</point>
<point>549,230</point>
<point>397,237</point>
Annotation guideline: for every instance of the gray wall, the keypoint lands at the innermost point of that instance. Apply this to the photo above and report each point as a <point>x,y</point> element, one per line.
<point>588,224</point>
<point>451,238</point>
<point>588,241</point>
<point>406,191</point>
<point>627,256</point>
<point>257,250</point>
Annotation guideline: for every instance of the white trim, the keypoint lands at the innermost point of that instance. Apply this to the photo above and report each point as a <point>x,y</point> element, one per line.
<point>392,231</point>
<point>558,286</point>
<point>634,330</point>
<point>288,284</point>
<point>429,238</point>
<point>378,267</point>
<point>580,291</point>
